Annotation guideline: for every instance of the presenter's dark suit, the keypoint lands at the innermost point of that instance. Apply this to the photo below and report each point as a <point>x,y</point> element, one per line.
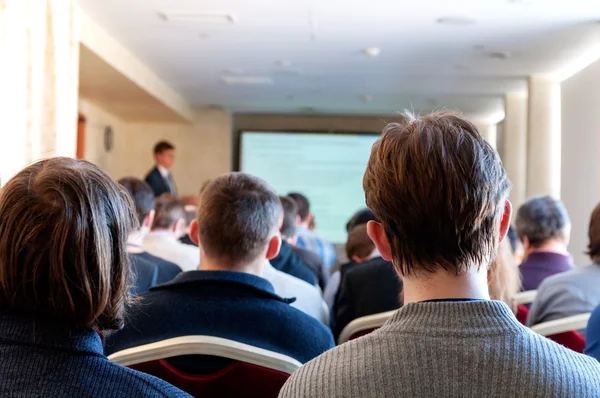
<point>231,305</point>
<point>365,289</point>
<point>157,182</point>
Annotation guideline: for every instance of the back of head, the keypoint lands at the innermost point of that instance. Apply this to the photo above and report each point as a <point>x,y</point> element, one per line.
<point>303,205</point>
<point>290,213</point>
<point>439,190</point>
<point>504,279</point>
<point>238,215</point>
<point>64,225</point>
<point>594,236</point>
<point>359,245</point>
<point>542,219</point>
<point>362,216</point>
<point>169,210</point>
<point>142,195</point>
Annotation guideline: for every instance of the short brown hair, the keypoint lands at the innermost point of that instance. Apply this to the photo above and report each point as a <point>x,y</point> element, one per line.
<point>168,210</point>
<point>359,244</point>
<point>238,213</point>
<point>303,204</point>
<point>290,212</point>
<point>162,146</point>
<point>142,195</point>
<point>594,236</point>
<point>64,226</point>
<point>439,190</point>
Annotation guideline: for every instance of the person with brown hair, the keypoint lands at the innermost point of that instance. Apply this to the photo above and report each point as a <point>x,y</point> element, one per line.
<point>440,194</point>
<point>572,292</point>
<point>160,178</point>
<point>168,226</point>
<point>64,284</point>
<point>237,229</point>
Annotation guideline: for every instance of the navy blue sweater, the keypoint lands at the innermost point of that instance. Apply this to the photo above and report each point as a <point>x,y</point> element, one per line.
<point>39,360</point>
<point>230,305</point>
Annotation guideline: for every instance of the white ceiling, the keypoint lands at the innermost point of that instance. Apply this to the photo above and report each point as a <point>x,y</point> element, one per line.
<point>423,65</point>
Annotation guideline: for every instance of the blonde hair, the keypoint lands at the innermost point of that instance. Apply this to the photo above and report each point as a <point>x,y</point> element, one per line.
<point>504,280</point>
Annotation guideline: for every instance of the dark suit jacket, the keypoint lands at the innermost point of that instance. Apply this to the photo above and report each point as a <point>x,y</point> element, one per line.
<point>365,289</point>
<point>289,262</point>
<point>313,262</point>
<point>157,182</point>
<point>227,304</point>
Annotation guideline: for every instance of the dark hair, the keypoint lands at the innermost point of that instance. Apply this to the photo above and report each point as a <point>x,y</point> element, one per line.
<point>142,195</point>
<point>541,219</point>
<point>64,225</point>
<point>359,244</point>
<point>162,146</point>
<point>237,216</point>
<point>439,189</point>
<point>303,204</point>
<point>594,236</point>
<point>290,212</point>
<point>168,210</point>
<point>362,216</point>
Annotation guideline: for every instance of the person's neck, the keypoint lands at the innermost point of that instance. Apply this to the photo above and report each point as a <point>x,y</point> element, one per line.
<point>549,247</point>
<point>135,241</point>
<point>446,285</point>
<point>255,267</point>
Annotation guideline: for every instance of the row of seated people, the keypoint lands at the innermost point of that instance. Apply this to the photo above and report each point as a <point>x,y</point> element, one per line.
<point>440,195</point>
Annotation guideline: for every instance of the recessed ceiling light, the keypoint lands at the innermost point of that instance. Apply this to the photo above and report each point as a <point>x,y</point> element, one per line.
<point>283,63</point>
<point>246,80</point>
<point>500,55</point>
<point>372,52</point>
<point>456,20</point>
<point>196,16</point>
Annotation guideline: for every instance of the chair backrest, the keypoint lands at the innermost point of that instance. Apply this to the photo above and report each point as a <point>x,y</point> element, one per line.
<point>364,325</point>
<point>526,297</point>
<point>564,331</point>
<point>253,371</point>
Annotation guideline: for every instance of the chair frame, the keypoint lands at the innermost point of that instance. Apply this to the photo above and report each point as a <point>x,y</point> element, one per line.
<point>206,345</point>
<point>526,297</point>
<point>363,323</point>
<point>568,324</point>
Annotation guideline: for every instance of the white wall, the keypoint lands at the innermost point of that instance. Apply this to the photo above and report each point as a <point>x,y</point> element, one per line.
<point>580,170</point>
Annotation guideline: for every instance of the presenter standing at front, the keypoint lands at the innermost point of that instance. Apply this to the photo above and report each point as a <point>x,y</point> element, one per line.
<point>160,178</point>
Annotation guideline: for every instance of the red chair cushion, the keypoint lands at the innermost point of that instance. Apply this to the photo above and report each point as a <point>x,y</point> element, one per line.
<point>236,380</point>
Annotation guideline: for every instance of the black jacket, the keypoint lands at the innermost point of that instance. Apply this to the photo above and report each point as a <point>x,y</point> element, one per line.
<point>313,262</point>
<point>365,289</point>
<point>289,262</point>
<point>157,182</point>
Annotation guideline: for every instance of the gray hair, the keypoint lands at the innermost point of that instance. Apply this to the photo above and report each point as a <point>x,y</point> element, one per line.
<point>541,219</point>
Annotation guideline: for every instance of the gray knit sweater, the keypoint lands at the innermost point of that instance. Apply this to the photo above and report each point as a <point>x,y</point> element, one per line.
<point>448,349</point>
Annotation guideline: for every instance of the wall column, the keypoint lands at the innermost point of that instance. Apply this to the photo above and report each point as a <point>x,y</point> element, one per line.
<point>515,145</point>
<point>544,138</point>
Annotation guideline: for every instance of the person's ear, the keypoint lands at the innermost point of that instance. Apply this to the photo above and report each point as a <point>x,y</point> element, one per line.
<point>273,247</point>
<point>149,219</point>
<point>194,232</point>
<point>505,221</point>
<point>377,234</point>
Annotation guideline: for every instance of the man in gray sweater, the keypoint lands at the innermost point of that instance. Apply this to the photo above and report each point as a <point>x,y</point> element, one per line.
<point>440,194</point>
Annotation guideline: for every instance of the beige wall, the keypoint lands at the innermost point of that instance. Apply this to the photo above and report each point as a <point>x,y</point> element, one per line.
<point>358,124</point>
<point>204,149</point>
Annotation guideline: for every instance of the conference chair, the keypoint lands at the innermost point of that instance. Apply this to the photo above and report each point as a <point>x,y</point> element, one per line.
<point>526,297</point>
<point>565,331</point>
<point>252,371</point>
<point>363,325</point>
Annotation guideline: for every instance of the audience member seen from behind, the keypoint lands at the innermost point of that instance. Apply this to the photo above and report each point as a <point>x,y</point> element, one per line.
<point>369,285</point>
<point>544,228</point>
<point>167,228</point>
<point>359,248</point>
<point>64,283</point>
<point>440,193</point>
<point>290,257</point>
<point>190,215</point>
<point>504,280</point>
<point>307,237</point>
<point>160,178</point>
<point>237,228</point>
<point>573,292</point>
<point>362,216</point>
<point>149,270</point>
